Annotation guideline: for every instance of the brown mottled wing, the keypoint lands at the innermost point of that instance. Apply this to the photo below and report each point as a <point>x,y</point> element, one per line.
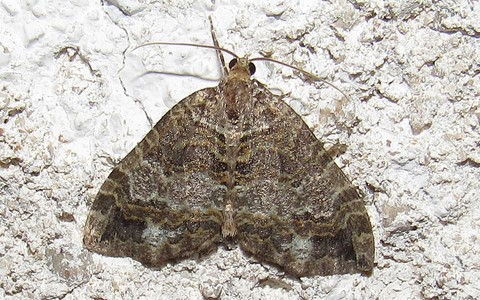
<point>163,201</point>
<point>296,208</point>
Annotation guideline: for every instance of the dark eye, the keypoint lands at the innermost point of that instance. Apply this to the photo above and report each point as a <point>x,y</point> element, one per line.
<point>251,68</point>
<point>232,63</point>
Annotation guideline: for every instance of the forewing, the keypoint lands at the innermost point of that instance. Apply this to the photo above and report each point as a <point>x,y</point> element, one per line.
<point>163,201</point>
<point>296,208</point>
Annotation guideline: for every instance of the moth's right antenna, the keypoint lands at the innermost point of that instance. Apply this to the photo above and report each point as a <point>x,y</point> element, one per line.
<point>217,45</point>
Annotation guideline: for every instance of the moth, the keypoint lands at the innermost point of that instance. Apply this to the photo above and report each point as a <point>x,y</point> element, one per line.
<point>233,165</point>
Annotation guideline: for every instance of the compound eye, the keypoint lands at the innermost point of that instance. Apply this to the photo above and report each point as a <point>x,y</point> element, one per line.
<point>232,63</point>
<point>251,68</point>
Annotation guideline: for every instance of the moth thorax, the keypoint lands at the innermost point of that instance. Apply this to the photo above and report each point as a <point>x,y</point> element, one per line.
<point>237,98</point>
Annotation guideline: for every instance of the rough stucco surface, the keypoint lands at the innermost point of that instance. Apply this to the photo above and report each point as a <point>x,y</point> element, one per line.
<point>408,135</point>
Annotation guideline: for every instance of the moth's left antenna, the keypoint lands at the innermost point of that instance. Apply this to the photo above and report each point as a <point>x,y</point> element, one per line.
<point>217,45</point>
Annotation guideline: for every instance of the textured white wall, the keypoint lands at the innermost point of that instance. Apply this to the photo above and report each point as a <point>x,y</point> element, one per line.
<point>409,134</point>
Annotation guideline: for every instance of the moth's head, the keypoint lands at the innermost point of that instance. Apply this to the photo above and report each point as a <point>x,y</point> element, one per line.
<point>241,68</point>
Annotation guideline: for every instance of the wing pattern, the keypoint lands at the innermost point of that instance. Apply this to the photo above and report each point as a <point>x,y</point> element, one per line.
<point>233,164</point>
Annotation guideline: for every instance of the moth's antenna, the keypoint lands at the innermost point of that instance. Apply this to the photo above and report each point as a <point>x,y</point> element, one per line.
<point>189,45</point>
<point>220,51</point>
<point>301,71</point>
<point>216,44</point>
